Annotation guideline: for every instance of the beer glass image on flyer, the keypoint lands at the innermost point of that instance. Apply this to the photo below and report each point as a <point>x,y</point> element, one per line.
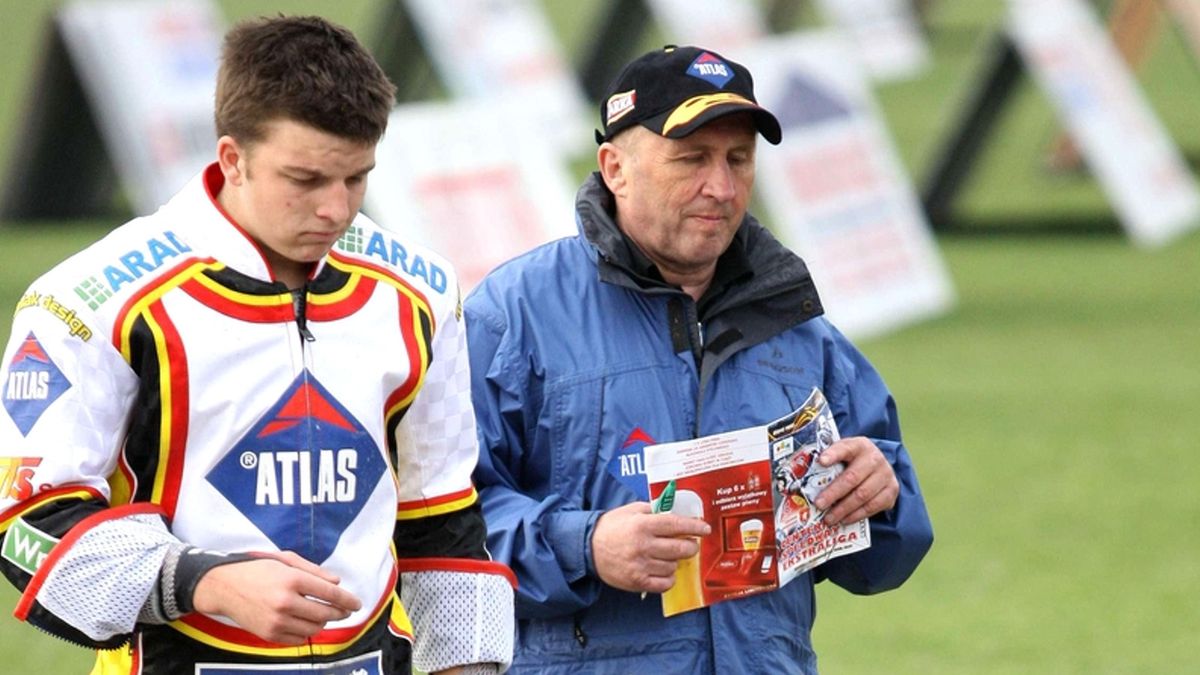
<point>755,488</point>
<point>751,529</point>
<point>686,593</point>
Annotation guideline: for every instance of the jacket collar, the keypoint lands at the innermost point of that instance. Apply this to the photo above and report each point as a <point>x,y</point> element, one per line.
<point>755,266</point>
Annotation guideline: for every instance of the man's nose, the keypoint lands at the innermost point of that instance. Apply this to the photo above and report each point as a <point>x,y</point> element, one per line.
<point>719,182</point>
<point>335,203</point>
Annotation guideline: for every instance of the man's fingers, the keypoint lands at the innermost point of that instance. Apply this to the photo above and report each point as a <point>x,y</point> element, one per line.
<point>324,592</point>
<point>671,525</point>
<point>659,568</point>
<point>312,610</point>
<point>867,486</point>
<point>672,548</point>
<point>841,451</point>
<point>292,559</point>
<point>855,503</point>
<point>876,493</point>
<point>659,584</point>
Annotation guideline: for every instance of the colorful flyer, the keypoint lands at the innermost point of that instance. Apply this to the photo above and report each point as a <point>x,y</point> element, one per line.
<point>756,487</point>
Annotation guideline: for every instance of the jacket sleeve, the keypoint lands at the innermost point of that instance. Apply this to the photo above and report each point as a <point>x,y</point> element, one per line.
<point>541,536</point>
<point>902,535</point>
<point>460,601</point>
<point>85,568</point>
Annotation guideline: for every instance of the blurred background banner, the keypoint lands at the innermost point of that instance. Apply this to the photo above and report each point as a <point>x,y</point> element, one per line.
<point>836,190</point>
<point>447,176</point>
<point>146,70</point>
<point>491,50</point>
<point>725,26</point>
<point>1102,107</point>
<point>885,33</point>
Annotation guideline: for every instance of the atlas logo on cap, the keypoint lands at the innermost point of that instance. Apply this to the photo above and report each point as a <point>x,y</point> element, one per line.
<point>620,105</point>
<point>711,69</point>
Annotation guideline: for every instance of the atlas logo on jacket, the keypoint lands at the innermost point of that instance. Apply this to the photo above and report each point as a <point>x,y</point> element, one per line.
<point>303,472</point>
<point>628,465</point>
<point>32,385</point>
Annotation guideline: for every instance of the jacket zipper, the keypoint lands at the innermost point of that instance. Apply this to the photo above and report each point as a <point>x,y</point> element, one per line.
<point>300,309</point>
<point>580,636</point>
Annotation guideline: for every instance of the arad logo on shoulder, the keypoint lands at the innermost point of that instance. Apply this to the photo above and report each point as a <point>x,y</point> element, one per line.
<point>303,472</point>
<point>711,69</point>
<point>393,253</point>
<point>131,266</point>
<point>32,385</point>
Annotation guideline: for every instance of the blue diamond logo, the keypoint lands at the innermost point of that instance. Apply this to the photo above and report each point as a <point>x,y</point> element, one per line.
<point>711,69</point>
<point>32,385</point>
<point>303,472</point>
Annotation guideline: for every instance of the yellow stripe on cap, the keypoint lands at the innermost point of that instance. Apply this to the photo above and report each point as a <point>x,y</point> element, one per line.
<point>694,106</point>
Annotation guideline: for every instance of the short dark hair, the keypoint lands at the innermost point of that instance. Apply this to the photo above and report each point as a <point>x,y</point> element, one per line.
<point>305,69</point>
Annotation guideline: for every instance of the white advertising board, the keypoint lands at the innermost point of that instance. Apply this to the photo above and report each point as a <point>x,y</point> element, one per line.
<point>463,180</point>
<point>836,192</point>
<point>505,49</point>
<point>724,26</point>
<point>885,34</point>
<point>1070,55</point>
<point>149,70</point>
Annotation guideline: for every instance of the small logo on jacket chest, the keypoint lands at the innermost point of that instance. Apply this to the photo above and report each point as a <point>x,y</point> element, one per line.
<point>628,466</point>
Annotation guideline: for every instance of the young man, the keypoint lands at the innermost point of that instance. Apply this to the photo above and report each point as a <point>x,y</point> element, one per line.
<point>672,315</point>
<point>238,431</point>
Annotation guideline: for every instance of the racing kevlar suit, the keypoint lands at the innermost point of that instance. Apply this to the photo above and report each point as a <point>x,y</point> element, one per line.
<point>580,357</point>
<point>166,401</point>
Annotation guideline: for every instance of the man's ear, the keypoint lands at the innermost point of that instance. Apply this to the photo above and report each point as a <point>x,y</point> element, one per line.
<point>611,159</point>
<point>231,156</point>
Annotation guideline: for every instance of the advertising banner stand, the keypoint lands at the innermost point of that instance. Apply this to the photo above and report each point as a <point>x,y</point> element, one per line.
<point>835,190</point>
<point>147,71</point>
<point>1064,47</point>
<point>58,168</point>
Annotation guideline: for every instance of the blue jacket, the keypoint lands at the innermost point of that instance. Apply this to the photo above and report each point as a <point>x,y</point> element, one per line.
<point>580,357</point>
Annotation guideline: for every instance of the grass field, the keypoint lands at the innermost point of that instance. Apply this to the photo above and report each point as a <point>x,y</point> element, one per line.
<point>1052,414</point>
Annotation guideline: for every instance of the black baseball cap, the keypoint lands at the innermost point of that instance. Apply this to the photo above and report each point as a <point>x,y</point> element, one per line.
<point>675,90</point>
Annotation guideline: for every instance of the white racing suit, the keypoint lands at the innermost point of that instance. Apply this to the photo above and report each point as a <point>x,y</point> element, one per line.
<point>161,391</point>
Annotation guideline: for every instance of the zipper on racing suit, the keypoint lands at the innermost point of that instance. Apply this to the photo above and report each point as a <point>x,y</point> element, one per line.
<point>300,309</point>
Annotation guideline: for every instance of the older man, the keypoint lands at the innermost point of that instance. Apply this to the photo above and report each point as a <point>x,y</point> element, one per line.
<point>673,314</point>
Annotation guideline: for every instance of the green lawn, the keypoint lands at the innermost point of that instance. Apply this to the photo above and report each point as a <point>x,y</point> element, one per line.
<point>1052,414</point>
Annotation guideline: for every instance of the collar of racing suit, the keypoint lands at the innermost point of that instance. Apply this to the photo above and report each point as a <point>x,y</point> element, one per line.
<point>773,292</point>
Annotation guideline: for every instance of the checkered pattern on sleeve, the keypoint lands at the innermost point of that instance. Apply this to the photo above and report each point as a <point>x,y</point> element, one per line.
<point>437,443</point>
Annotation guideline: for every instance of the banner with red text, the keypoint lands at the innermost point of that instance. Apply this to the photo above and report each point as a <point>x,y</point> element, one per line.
<point>462,180</point>
<point>835,190</point>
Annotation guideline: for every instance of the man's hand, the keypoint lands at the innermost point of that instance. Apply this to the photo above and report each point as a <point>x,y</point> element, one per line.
<point>635,550</point>
<point>867,486</point>
<point>279,597</point>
